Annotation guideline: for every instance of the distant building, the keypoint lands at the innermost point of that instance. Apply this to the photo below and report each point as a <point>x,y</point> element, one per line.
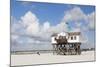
<point>66,41</point>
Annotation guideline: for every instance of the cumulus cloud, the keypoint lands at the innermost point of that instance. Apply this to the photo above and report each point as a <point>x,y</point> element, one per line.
<point>46,26</point>
<point>30,24</point>
<point>77,16</point>
<point>91,20</point>
<point>14,37</point>
<point>74,14</point>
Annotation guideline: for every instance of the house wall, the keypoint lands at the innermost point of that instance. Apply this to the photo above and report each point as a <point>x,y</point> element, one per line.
<point>53,41</point>
<point>74,38</point>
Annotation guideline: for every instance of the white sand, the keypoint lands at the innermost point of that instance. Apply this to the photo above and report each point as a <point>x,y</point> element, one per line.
<point>31,59</point>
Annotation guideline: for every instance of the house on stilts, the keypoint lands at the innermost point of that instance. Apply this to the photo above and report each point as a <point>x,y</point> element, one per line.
<point>66,43</point>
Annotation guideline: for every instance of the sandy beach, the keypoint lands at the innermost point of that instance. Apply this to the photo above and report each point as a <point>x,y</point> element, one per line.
<point>48,58</point>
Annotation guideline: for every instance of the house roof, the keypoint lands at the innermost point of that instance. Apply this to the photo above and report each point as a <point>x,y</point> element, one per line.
<point>69,33</point>
<point>74,33</point>
<point>55,34</point>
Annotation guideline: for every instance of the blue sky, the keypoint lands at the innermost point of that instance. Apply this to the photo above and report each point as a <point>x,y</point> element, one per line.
<point>45,11</point>
<point>54,13</point>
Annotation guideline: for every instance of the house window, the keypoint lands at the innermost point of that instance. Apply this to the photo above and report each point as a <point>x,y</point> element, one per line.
<point>71,37</point>
<point>75,37</point>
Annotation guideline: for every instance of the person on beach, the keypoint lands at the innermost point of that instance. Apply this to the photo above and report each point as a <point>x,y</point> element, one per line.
<point>38,53</point>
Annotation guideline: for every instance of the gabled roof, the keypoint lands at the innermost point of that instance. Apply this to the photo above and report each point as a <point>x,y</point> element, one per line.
<point>69,33</point>
<point>74,33</point>
<point>55,34</point>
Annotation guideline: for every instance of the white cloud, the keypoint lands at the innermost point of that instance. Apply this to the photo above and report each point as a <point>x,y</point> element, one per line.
<point>91,20</point>
<point>46,26</point>
<point>77,15</point>
<point>29,18</point>
<point>14,37</point>
<point>30,22</point>
<point>74,14</point>
<point>61,27</point>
